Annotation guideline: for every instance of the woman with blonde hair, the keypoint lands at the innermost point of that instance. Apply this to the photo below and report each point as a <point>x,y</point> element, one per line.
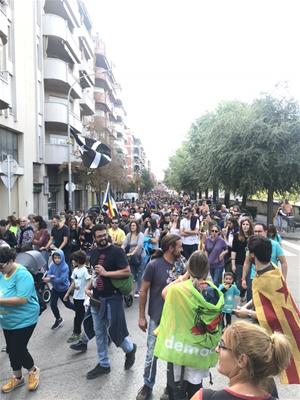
<point>249,357</point>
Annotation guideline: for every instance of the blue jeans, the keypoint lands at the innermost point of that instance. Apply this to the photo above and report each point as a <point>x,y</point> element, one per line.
<point>101,326</point>
<point>150,361</point>
<point>216,274</point>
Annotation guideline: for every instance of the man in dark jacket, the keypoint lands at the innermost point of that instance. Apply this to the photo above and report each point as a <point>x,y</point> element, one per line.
<point>6,235</point>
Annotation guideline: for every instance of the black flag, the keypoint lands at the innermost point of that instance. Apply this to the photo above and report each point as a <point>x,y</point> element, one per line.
<point>94,154</point>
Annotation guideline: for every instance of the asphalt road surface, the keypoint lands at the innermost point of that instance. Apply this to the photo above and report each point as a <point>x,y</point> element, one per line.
<point>63,371</point>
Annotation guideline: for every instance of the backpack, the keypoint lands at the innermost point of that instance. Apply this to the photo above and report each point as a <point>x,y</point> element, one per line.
<point>123,285</point>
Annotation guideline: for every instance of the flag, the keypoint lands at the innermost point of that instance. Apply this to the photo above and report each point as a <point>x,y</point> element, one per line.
<point>109,204</point>
<point>94,154</point>
<point>277,312</point>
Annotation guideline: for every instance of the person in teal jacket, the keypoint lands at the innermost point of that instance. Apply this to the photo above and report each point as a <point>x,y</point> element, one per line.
<point>19,312</point>
<point>229,289</point>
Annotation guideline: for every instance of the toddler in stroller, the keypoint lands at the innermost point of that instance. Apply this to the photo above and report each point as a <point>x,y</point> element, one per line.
<point>36,265</point>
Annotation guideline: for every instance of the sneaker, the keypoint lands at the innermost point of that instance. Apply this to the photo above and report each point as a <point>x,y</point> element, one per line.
<point>12,384</point>
<point>97,371</point>
<point>136,295</point>
<point>59,322</point>
<point>79,346</point>
<point>33,379</point>
<point>144,393</point>
<point>73,338</point>
<point>130,358</point>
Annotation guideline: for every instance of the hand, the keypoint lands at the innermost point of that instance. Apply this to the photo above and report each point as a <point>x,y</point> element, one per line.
<point>46,279</point>
<point>100,270</point>
<point>143,324</point>
<point>227,286</point>
<point>221,257</point>
<point>89,292</point>
<point>42,248</point>
<point>241,312</point>
<point>244,284</point>
<point>66,297</point>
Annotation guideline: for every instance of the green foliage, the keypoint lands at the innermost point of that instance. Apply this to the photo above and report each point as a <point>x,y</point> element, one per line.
<point>147,182</point>
<point>242,148</point>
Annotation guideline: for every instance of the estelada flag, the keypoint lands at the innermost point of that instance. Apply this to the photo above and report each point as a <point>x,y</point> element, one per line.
<point>109,204</point>
<point>277,312</point>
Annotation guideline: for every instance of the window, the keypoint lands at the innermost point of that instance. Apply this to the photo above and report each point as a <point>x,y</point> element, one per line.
<point>2,56</point>
<point>58,140</point>
<point>8,144</point>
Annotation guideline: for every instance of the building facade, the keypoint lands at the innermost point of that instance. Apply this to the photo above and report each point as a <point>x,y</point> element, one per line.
<point>54,74</point>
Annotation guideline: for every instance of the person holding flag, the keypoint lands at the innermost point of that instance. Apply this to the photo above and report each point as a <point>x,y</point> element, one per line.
<point>109,205</point>
<point>273,305</point>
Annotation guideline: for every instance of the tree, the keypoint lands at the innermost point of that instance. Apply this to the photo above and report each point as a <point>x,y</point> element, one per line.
<point>242,148</point>
<point>147,182</point>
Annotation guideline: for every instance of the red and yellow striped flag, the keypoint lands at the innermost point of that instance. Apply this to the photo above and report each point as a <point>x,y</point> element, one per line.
<point>276,311</point>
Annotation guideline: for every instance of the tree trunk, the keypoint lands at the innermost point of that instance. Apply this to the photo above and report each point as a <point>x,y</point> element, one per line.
<point>227,198</point>
<point>244,200</point>
<point>206,194</point>
<point>270,206</point>
<point>200,193</point>
<point>215,195</point>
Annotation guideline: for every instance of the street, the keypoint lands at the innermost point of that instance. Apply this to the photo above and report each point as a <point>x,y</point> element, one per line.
<point>63,370</point>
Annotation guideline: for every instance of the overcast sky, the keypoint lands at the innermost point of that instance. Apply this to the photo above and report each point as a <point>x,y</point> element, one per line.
<point>176,60</point>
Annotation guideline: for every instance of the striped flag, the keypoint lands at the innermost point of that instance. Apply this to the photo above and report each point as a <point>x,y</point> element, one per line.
<point>277,312</point>
<point>109,205</point>
<point>94,154</point>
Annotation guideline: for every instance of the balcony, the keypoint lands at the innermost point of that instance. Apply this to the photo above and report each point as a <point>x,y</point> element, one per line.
<point>67,9</point>
<point>102,98</point>
<point>102,79</point>
<point>56,28</point>
<point>86,40</point>
<point>4,90</point>
<point>56,116</point>
<point>3,25</point>
<point>58,153</point>
<point>59,77</point>
<point>87,103</point>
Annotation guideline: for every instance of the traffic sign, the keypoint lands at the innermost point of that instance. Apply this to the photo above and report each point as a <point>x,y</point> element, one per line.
<point>13,166</point>
<point>6,182</point>
<point>73,186</point>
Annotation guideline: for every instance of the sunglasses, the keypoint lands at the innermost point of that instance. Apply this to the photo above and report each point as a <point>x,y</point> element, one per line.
<point>214,230</point>
<point>221,345</point>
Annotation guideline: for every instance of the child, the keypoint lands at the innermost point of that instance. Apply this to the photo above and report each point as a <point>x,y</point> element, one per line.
<point>230,291</point>
<point>79,277</point>
<point>58,276</point>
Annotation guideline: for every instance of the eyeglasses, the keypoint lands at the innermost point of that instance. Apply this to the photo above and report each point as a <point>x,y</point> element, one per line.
<point>221,345</point>
<point>214,231</point>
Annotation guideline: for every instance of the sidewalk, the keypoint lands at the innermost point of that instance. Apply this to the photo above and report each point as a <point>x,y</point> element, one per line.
<point>287,235</point>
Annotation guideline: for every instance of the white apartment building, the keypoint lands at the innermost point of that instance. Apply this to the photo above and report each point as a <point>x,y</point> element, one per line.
<point>21,102</point>
<point>53,73</point>
<point>46,53</point>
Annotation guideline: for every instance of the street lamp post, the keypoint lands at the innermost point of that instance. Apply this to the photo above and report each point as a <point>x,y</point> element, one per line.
<point>70,200</point>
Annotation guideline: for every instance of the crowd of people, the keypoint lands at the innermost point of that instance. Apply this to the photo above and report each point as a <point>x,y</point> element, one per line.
<point>194,265</point>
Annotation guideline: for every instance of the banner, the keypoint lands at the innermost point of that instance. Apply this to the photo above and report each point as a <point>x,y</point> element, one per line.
<point>94,154</point>
<point>190,326</point>
<point>109,205</point>
<point>277,312</point>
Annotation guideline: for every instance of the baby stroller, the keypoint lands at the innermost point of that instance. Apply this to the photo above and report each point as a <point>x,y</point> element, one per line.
<point>36,265</point>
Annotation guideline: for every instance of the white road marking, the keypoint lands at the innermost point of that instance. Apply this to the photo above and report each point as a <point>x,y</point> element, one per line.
<point>291,245</point>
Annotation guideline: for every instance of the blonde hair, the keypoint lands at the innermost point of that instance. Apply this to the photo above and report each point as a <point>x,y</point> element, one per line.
<point>197,265</point>
<point>267,355</point>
